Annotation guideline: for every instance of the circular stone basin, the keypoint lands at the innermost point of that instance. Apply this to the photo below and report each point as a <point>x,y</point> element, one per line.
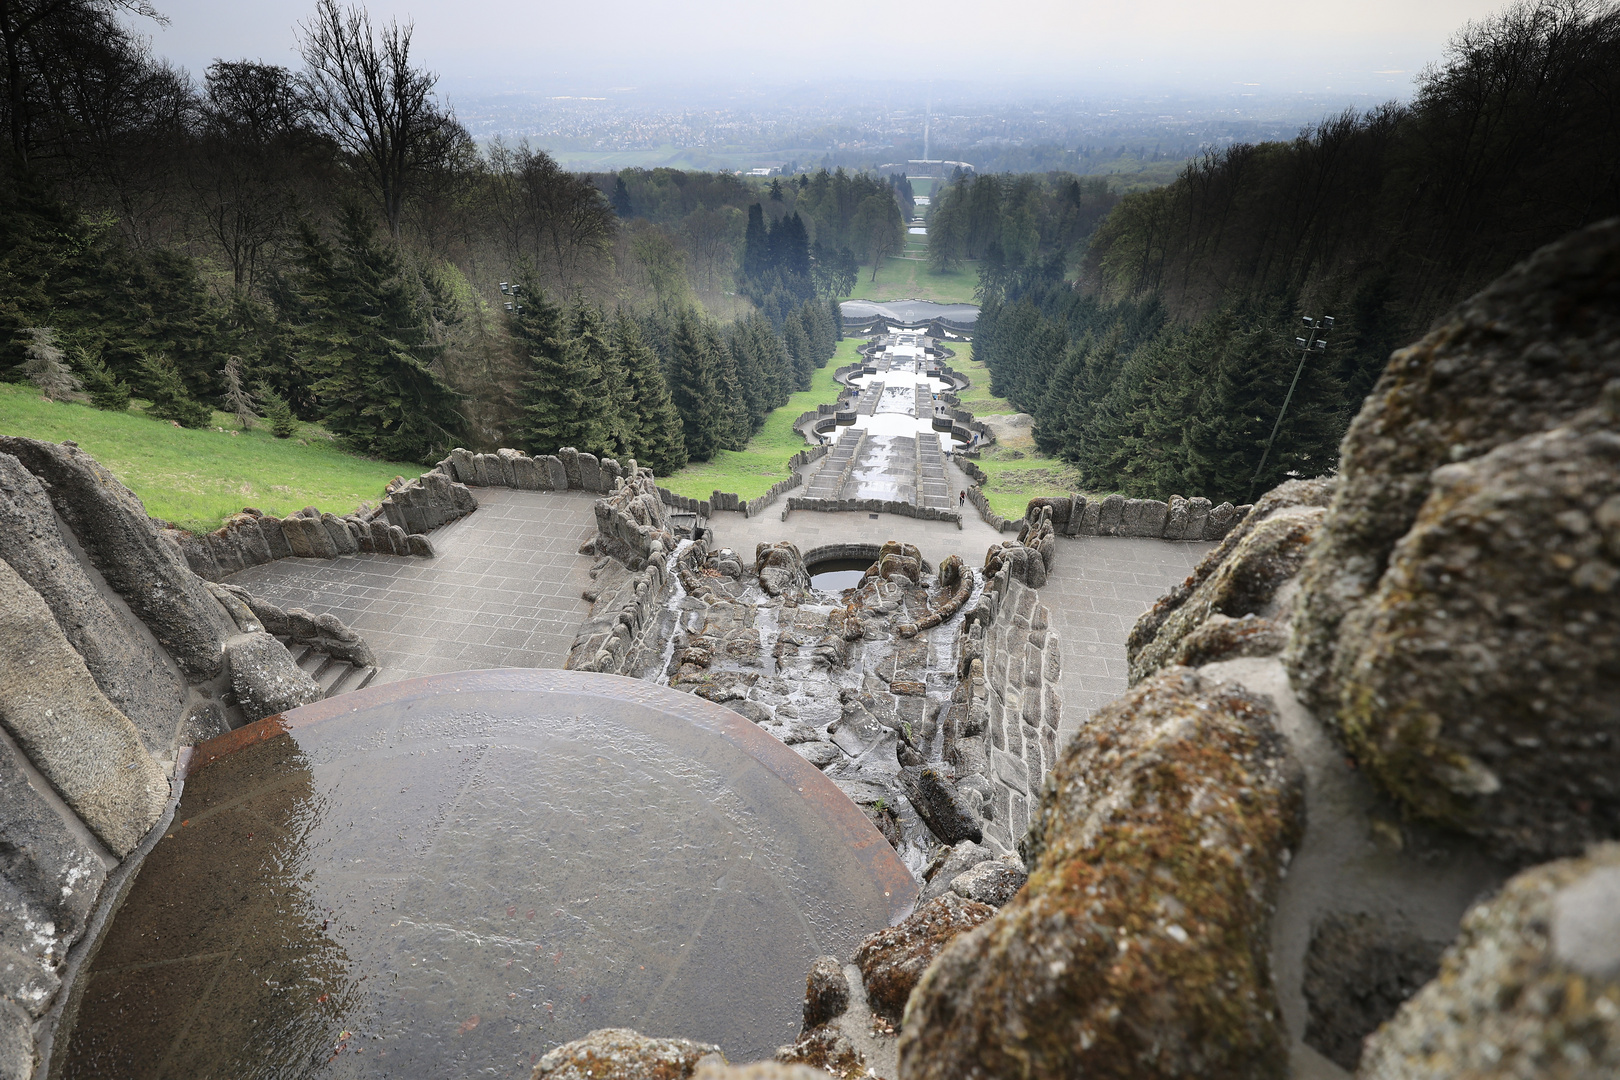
<point>450,876</point>
<point>836,575</point>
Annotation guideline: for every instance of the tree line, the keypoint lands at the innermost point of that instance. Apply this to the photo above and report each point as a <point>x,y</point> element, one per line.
<point>328,241</point>
<point>1164,370</point>
<point>1013,222</point>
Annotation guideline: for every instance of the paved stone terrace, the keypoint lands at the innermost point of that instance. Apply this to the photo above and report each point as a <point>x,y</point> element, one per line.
<point>1098,588</point>
<point>503,590</point>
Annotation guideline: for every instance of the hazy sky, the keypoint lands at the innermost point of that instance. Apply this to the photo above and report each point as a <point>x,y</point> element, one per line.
<point>1355,46</point>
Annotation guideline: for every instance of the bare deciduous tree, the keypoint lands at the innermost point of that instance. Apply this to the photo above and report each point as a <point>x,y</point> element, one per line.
<point>368,98</point>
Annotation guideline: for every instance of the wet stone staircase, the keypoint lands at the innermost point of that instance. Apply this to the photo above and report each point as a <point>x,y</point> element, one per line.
<point>933,485</point>
<point>835,467</point>
<point>332,675</point>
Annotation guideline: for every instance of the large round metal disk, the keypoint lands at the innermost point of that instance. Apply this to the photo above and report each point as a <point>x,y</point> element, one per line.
<point>450,876</point>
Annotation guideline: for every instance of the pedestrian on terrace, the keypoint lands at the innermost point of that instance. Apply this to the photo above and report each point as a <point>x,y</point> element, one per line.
<point>961,499</point>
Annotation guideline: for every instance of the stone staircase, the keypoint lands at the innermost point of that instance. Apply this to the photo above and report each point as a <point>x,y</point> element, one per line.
<point>933,483</point>
<point>835,467</point>
<point>334,676</point>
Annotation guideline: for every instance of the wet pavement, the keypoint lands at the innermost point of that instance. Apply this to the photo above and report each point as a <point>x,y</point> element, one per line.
<point>503,590</point>
<point>1098,588</point>
<point>450,876</point>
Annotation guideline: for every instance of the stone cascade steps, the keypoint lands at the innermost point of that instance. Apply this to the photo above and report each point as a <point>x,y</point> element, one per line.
<point>896,456</point>
<point>334,676</point>
<point>867,403</point>
<point>835,467</point>
<point>933,483</point>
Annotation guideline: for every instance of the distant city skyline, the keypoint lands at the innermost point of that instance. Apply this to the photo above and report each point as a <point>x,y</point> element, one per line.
<point>1012,48</point>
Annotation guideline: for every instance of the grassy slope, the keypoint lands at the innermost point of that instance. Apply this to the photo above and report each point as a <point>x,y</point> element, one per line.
<point>910,279</point>
<point>751,471</point>
<point>197,478</point>
<point>1017,471</point>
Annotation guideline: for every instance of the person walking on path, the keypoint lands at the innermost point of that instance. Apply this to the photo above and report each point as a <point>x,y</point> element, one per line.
<point>961,499</point>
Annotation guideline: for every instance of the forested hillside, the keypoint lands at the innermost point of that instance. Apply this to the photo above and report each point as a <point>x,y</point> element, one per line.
<point>329,242</point>
<point>1165,370</point>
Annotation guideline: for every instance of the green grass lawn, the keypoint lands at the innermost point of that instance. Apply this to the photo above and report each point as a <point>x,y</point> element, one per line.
<point>977,398</point>
<point>750,472</point>
<point>1017,471</point>
<point>198,478</point>
<point>911,279</point>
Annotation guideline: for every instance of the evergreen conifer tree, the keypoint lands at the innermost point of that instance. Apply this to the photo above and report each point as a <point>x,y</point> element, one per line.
<point>558,410</point>
<point>107,390</point>
<point>370,350</point>
<point>836,316</point>
<point>602,382</point>
<point>283,424</point>
<point>621,198</point>
<point>802,353</point>
<point>47,367</point>
<point>656,439</point>
<point>237,398</point>
<point>732,406</point>
<point>167,391</point>
<point>696,388</point>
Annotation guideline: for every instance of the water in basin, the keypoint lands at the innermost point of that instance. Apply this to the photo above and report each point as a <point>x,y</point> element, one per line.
<point>450,876</point>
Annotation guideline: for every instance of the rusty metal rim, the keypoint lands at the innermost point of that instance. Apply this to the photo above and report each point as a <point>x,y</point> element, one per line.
<point>844,818</point>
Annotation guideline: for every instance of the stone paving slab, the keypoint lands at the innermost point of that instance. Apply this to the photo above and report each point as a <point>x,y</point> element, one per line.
<point>1098,588</point>
<point>503,590</point>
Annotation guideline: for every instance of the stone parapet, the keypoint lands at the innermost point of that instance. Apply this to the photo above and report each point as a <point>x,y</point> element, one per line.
<point>872,506</point>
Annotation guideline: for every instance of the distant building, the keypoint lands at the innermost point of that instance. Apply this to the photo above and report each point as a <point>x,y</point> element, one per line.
<point>936,167</point>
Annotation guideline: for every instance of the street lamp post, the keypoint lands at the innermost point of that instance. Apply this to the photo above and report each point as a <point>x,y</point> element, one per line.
<point>1315,340</point>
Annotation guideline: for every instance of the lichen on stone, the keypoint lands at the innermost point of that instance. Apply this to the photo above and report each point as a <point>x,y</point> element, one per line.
<point>1139,946</point>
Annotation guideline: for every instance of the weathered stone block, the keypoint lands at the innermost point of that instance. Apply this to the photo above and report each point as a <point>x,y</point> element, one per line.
<point>508,462</point>
<point>343,541</point>
<point>1110,514</point>
<point>893,960</point>
<point>466,470</point>
<point>129,670</point>
<point>113,529</point>
<point>89,751</point>
<point>264,677</point>
<point>570,463</point>
<point>52,879</point>
<point>1156,860</point>
<point>1478,681</point>
<point>1220,521</point>
<point>1143,517</point>
<point>1010,770</point>
<point>1529,988</point>
<point>527,473</point>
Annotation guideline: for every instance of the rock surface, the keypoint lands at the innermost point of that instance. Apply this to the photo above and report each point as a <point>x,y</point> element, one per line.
<point>1530,989</point>
<point>112,527</point>
<point>624,1054</point>
<point>994,882</point>
<point>951,864</point>
<point>1522,356</point>
<point>264,677</point>
<point>127,666</point>
<point>1240,578</point>
<point>89,751</point>
<point>1478,680</point>
<point>1357,973</point>
<point>892,960</point>
<point>826,992</point>
<point>1140,945</point>
<point>49,879</point>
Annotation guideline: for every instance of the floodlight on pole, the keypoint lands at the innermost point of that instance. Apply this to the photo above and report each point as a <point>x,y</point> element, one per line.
<point>1315,341</point>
